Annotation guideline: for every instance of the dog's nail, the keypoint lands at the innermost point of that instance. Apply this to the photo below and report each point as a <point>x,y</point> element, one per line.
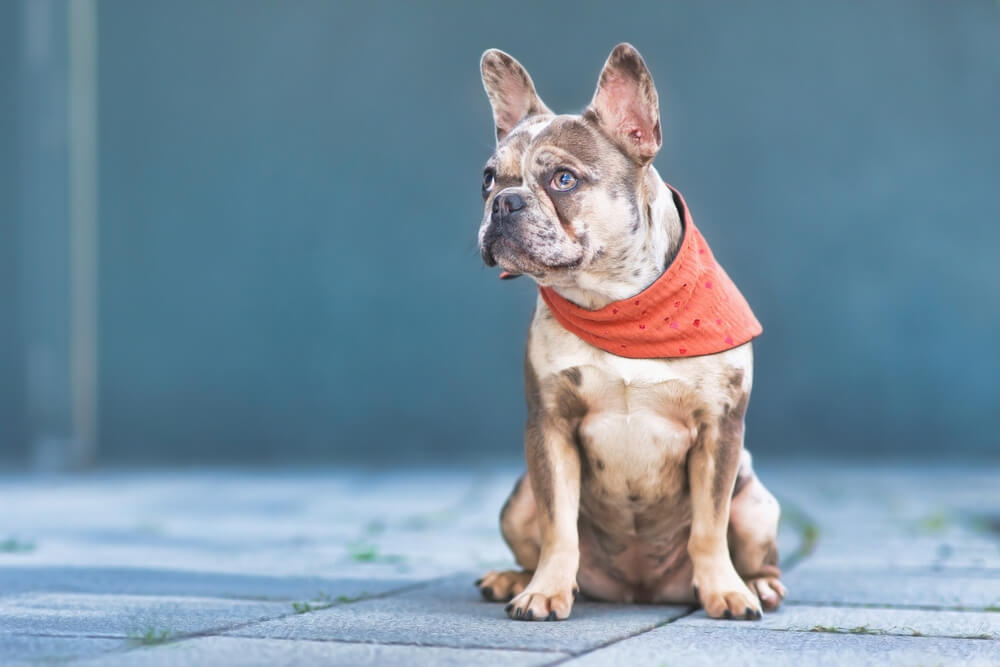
<point>758,615</point>
<point>576,593</point>
<point>727,614</point>
<point>487,593</point>
<point>551,616</point>
<point>518,613</point>
<point>478,581</point>
<point>509,607</point>
<point>696,593</point>
<point>529,615</point>
<point>749,614</point>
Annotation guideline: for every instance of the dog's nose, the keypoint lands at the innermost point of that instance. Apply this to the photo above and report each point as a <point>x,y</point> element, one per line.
<point>506,203</point>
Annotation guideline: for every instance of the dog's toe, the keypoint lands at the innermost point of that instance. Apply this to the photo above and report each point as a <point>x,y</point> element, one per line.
<point>502,586</point>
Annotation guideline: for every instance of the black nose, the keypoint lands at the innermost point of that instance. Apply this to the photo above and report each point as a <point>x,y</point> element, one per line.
<point>506,203</point>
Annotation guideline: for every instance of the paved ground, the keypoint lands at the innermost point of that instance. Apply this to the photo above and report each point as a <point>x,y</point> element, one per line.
<point>884,566</point>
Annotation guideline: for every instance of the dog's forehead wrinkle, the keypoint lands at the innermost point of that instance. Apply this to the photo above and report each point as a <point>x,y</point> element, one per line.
<point>575,137</point>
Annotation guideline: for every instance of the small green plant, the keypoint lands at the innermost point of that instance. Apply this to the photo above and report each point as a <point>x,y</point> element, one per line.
<point>12,545</point>
<point>321,601</point>
<point>934,524</point>
<point>808,530</point>
<point>363,552</point>
<point>150,637</point>
<point>823,628</point>
<point>366,552</point>
<point>856,630</point>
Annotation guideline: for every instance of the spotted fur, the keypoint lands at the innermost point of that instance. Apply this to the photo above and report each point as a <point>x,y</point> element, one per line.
<point>639,486</point>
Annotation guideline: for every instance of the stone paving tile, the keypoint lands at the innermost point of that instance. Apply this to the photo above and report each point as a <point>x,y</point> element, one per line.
<point>917,552</point>
<point>864,620</point>
<point>293,524</point>
<point>143,581</point>
<point>451,613</point>
<point>922,588</point>
<point>27,649</point>
<point>278,652</point>
<point>730,645</point>
<point>918,537</point>
<point>127,615</point>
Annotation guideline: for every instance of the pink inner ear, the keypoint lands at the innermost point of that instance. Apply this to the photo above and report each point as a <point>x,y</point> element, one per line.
<point>514,105</point>
<point>514,101</point>
<point>620,106</point>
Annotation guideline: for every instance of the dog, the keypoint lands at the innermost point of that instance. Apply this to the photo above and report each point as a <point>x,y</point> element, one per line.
<point>637,486</point>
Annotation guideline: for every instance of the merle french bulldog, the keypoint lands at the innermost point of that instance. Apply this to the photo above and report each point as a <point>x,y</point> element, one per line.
<point>637,487</point>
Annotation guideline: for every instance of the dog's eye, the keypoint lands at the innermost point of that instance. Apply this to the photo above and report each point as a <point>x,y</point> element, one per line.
<point>563,181</point>
<point>488,179</point>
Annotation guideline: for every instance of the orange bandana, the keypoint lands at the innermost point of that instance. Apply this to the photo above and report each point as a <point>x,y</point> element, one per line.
<point>692,309</point>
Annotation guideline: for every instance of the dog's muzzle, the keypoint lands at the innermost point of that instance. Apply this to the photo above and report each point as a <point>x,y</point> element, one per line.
<point>503,214</point>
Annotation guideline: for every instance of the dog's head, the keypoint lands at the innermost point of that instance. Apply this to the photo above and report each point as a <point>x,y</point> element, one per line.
<point>567,196</point>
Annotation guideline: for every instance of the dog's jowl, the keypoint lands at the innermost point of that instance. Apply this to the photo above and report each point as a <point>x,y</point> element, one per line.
<point>638,366</point>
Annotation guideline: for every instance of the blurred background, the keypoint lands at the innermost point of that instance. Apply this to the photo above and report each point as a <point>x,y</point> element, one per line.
<point>244,232</point>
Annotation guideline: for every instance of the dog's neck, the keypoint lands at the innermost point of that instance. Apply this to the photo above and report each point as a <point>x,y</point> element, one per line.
<point>643,261</point>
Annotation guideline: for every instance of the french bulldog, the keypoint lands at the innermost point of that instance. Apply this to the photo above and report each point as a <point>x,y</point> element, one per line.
<point>637,488</point>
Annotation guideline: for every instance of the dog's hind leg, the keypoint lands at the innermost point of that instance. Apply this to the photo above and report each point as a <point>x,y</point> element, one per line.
<point>519,527</point>
<point>753,536</point>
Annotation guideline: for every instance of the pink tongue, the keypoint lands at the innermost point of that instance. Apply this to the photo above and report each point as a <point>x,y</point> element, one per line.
<point>507,275</point>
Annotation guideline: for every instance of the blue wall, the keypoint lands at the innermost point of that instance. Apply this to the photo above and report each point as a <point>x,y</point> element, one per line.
<point>12,441</point>
<point>289,203</point>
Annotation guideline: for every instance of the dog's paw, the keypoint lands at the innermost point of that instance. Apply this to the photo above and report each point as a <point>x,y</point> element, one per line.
<point>538,605</point>
<point>770,590</point>
<point>503,586</point>
<point>726,596</point>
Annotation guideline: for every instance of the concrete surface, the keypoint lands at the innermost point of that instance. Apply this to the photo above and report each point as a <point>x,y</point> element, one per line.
<point>886,565</point>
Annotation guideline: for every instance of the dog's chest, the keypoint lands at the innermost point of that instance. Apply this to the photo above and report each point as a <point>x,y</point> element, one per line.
<point>637,429</point>
<point>638,418</point>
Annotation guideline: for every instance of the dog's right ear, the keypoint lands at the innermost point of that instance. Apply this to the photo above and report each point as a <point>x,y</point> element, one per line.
<point>511,92</point>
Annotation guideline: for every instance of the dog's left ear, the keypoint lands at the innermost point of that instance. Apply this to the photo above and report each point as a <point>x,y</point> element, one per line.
<point>626,105</point>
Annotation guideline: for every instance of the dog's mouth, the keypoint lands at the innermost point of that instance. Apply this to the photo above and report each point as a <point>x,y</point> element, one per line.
<point>515,259</point>
<point>510,254</point>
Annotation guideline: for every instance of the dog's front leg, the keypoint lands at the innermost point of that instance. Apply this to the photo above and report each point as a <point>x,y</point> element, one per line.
<point>712,466</point>
<point>554,468</point>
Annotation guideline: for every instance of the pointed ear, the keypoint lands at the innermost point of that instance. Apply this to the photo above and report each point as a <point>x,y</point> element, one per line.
<point>510,90</point>
<point>626,104</point>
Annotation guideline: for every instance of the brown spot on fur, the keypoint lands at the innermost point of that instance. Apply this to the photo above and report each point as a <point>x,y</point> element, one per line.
<point>570,406</point>
<point>736,379</point>
<point>573,375</point>
<point>534,440</point>
<point>741,482</point>
<point>727,451</point>
<point>540,466</point>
